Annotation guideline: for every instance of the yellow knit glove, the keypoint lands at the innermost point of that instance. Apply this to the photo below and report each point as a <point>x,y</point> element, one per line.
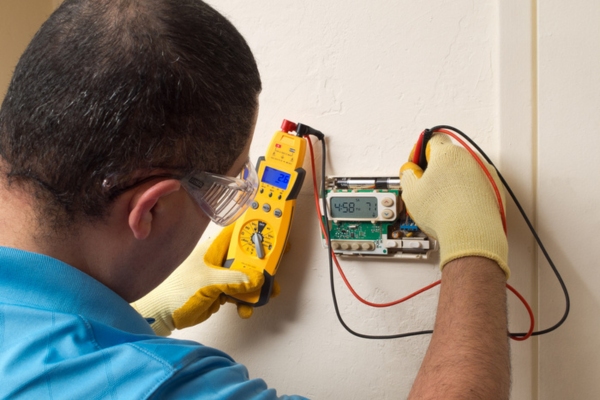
<point>197,288</point>
<point>453,201</point>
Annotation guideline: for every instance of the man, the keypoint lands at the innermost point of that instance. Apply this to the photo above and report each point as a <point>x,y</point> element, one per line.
<point>121,117</point>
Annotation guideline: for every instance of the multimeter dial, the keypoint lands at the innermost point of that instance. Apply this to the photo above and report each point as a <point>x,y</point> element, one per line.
<point>257,238</point>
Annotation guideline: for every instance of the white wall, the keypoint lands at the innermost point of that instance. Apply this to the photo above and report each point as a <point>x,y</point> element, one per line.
<point>371,75</point>
<point>568,193</point>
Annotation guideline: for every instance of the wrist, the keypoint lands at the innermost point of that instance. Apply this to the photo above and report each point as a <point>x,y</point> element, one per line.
<point>476,268</point>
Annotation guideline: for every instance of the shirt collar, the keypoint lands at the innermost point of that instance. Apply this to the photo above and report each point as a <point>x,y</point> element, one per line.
<point>40,281</point>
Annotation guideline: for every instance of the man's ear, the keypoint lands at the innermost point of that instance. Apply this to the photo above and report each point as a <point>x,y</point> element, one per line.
<point>142,206</point>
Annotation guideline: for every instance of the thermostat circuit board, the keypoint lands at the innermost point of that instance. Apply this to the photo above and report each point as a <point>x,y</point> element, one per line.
<point>367,218</point>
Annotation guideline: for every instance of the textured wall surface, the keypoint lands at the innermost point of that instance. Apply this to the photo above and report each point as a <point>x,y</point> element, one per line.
<point>568,194</point>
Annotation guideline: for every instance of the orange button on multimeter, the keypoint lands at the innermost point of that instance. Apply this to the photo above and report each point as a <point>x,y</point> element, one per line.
<point>260,235</point>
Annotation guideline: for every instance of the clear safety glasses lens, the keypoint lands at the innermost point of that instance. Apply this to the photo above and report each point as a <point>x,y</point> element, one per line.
<point>223,198</point>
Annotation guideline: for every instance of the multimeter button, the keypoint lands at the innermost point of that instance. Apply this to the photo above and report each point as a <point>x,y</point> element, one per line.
<point>254,205</point>
<point>355,246</point>
<point>387,202</point>
<point>345,246</point>
<point>262,190</point>
<point>277,213</point>
<point>271,194</point>
<point>279,197</point>
<point>387,214</point>
<point>266,207</point>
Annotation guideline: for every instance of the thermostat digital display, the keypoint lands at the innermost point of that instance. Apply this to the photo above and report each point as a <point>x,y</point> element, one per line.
<point>350,205</point>
<point>276,178</point>
<point>354,207</point>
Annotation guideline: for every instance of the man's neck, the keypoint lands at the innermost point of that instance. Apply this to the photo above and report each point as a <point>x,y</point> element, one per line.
<point>18,222</point>
<point>20,228</point>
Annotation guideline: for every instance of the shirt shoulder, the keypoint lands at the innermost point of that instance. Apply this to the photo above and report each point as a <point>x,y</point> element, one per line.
<point>67,356</point>
<point>64,335</point>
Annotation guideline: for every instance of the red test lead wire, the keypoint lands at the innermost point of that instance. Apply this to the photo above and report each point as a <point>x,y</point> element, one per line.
<point>382,305</point>
<point>337,264</point>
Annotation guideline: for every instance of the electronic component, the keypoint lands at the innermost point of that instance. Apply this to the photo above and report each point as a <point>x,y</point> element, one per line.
<point>260,235</point>
<point>367,218</point>
<point>362,206</point>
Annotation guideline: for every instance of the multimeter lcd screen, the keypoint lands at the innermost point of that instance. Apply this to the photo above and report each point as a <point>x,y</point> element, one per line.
<point>353,207</point>
<point>276,178</point>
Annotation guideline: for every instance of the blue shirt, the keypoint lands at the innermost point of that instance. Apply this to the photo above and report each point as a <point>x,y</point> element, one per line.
<point>64,335</point>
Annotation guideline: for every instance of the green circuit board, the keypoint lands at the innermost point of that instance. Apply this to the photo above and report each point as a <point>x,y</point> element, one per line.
<point>357,230</point>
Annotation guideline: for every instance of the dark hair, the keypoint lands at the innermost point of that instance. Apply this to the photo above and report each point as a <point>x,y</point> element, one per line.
<point>117,86</point>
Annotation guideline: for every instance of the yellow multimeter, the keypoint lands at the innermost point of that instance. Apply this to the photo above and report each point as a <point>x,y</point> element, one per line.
<point>260,235</point>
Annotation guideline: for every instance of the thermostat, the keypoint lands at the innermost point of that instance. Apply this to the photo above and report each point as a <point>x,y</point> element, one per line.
<point>366,217</point>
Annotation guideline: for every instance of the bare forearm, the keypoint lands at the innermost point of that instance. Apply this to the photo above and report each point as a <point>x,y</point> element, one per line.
<point>468,357</point>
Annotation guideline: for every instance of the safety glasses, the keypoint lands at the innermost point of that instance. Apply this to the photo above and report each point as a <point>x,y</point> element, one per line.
<point>223,198</point>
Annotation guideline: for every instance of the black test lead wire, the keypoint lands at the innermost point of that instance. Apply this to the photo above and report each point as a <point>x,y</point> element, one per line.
<point>310,131</point>
<point>531,229</point>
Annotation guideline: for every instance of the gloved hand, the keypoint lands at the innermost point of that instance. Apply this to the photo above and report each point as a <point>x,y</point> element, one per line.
<point>453,201</point>
<point>198,287</point>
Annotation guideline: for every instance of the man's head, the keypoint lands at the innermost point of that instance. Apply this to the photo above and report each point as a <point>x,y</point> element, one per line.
<point>123,88</point>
